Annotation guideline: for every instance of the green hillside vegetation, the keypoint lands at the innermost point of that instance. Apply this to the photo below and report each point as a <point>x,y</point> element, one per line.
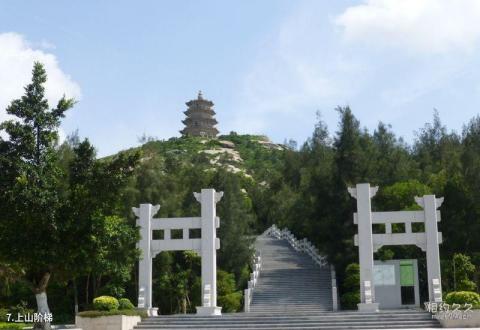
<point>253,155</point>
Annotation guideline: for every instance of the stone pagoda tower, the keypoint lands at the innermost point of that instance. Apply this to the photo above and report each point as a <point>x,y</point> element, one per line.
<point>200,119</point>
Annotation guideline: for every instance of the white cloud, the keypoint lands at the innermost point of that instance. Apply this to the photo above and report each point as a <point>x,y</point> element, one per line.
<point>424,26</point>
<point>294,74</point>
<point>17,56</point>
<point>304,66</point>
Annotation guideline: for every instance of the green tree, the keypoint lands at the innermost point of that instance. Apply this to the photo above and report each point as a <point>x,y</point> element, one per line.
<point>236,219</point>
<point>351,166</point>
<point>401,195</point>
<point>463,269</point>
<point>228,297</point>
<point>435,149</point>
<point>92,211</point>
<point>350,160</point>
<point>28,183</point>
<point>391,160</point>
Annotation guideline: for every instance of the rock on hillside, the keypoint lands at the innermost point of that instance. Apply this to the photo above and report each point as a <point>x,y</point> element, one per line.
<point>251,156</point>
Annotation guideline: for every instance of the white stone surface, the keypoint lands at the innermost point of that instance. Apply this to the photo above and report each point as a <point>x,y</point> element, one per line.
<point>113,322</point>
<point>363,193</point>
<point>206,246</point>
<point>368,242</point>
<point>209,311</point>
<point>232,154</point>
<point>248,293</point>
<point>430,205</point>
<point>227,144</point>
<point>472,321</point>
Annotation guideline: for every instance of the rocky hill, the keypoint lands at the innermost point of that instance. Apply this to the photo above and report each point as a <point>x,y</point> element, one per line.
<point>250,156</point>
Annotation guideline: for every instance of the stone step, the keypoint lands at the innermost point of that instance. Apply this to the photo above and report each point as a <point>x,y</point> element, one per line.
<point>281,319</point>
<point>265,289</point>
<point>245,322</point>
<point>270,288</point>
<point>298,295</point>
<point>397,313</point>
<point>297,325</point>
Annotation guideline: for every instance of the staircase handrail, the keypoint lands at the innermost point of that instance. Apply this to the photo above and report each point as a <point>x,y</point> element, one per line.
<point>256,267</point>
<point>252,283</point>
<point>335,299</point>
<point>303,245</point>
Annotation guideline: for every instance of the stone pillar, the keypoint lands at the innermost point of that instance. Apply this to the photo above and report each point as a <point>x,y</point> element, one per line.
<point>145,214</point>
<point>363,193</point>
<point>208,199</point>
<point>430,205</point>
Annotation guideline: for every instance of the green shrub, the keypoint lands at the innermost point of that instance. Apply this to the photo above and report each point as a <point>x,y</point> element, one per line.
<point>105,303</point>
<point>350,300</point>
<point>352,268</point>
<point>231,302</point>
<point>244,276</point>
<point>225,282</point>
<point>12,326</point>
<point>462,297</point>
<point>352,278</point>
<point>128,312</point>
<point>385,254</point>
<point>352,282</point>
<point>466,285</point>
<point>3,314</point>
<point>21,308</point>
<point>124,303</point>
<point>351,287</point>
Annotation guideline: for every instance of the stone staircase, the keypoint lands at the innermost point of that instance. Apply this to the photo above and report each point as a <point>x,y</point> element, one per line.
<point>289,280</point>
<point>293,292</point>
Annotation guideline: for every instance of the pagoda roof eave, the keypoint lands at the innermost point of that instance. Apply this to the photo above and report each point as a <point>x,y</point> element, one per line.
<point>192,102</point>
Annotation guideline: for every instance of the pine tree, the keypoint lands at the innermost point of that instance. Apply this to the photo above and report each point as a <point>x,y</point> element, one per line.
<point>30,202</point>
<point>236,219</point>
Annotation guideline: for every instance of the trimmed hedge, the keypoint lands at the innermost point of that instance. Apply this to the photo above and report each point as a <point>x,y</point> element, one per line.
<point>105,303</point>
<point>463,297</point>
<point>124,303</point>
<point>127,312</point>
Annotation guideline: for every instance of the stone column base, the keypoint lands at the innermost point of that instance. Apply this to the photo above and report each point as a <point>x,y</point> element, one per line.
<point>209,311</point>
<point>368,308</point>
<point>153,311</point>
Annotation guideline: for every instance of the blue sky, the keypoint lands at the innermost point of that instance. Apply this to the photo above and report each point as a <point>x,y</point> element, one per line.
<point>267,65</point>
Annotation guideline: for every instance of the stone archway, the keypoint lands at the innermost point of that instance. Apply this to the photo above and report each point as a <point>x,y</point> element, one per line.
<point>206,247</point>
<point>368,242</point>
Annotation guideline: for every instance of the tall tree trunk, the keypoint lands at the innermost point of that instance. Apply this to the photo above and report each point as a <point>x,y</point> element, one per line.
<point>96,284</point>
<point>87,301</point>
<point>184,305</point>
<point>40,291</point>
<point>99,282</point>
<point>75,295</point>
